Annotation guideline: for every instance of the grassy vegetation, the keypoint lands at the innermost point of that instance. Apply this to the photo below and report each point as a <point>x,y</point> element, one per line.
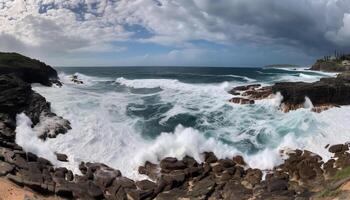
<point>342,174</point>
<point>328,193</point>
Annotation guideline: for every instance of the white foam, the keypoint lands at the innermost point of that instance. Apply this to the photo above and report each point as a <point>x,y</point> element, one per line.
<point>28,139</point>
<point>308,103</point>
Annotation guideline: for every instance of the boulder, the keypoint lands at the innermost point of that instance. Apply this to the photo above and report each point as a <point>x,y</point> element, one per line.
<point>169,164</point>
<point>338,148</point>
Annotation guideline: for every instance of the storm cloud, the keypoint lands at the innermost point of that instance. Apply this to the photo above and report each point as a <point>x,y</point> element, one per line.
<point>71,28</point>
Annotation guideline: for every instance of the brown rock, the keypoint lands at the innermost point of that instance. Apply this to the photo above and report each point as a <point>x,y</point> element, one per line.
<point>240,100</point>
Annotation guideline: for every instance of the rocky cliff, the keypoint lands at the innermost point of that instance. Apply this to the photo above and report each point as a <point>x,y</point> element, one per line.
<point>29,70</point>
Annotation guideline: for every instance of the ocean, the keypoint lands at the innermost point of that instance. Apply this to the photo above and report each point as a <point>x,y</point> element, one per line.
<point>124,116</point>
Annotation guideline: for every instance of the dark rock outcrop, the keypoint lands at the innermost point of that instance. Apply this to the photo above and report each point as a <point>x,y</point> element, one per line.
<point>16,96</point>
<point>324,94</point>
<point>29,70</point>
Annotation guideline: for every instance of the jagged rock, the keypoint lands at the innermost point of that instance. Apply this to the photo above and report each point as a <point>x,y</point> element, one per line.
<point>209,157</point>
<point>189,161</point>
<point>169,164</point>
<point>239,160</point>
<point>150,169</point>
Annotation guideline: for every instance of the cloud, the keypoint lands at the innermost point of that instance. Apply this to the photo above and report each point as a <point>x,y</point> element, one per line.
<point>61,28</point>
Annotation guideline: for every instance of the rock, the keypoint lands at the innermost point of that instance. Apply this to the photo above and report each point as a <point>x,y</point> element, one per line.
<point>202,188</point>
<point>246,87</point>
<point>277,185</point>
<point>5,168</point>
<point>62,157</point>
<point>327,91</point>
<point>76,80</point>
<point>234,190</point>
<point>338,148</point>
<point>209,157</point>
<point>145,185</point>
<point>240,100</point>
<point>238,160</point>
<point>138,194</point>
<point>172,194</point>
<point>149,169</point>
<point>169,164</point>
<point>29,70</point>
<point>227,163</point>
<point>104,177</point>
<point>174,179</point>
<point>252,178</point>
<point>14,94</point>
<point>189,161</point>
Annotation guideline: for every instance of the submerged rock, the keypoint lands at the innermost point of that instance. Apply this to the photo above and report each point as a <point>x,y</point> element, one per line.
<point>76,80</point>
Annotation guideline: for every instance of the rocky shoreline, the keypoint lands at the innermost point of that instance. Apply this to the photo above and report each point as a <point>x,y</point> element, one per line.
<point>302,175</point>
<point>323,94</point>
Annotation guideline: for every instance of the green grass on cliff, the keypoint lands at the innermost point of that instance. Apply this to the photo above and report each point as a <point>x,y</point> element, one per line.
<point>342,174</point>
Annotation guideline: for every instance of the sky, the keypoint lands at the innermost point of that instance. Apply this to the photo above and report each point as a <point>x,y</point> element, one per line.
<point>229,33</point>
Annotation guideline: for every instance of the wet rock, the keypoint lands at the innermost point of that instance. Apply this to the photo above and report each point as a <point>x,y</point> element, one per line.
<point>169,164</point>
<point>76,80</point>
<point>149,169</point>
<point>334,91</point>
<point>239,160</point>
<point>209,157</point>
<point>240,100</point>
<point>246,87</point>
<point>338,148</point>
<point>189,161</point>
<point>62,157</point>
<point>227,163</point>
